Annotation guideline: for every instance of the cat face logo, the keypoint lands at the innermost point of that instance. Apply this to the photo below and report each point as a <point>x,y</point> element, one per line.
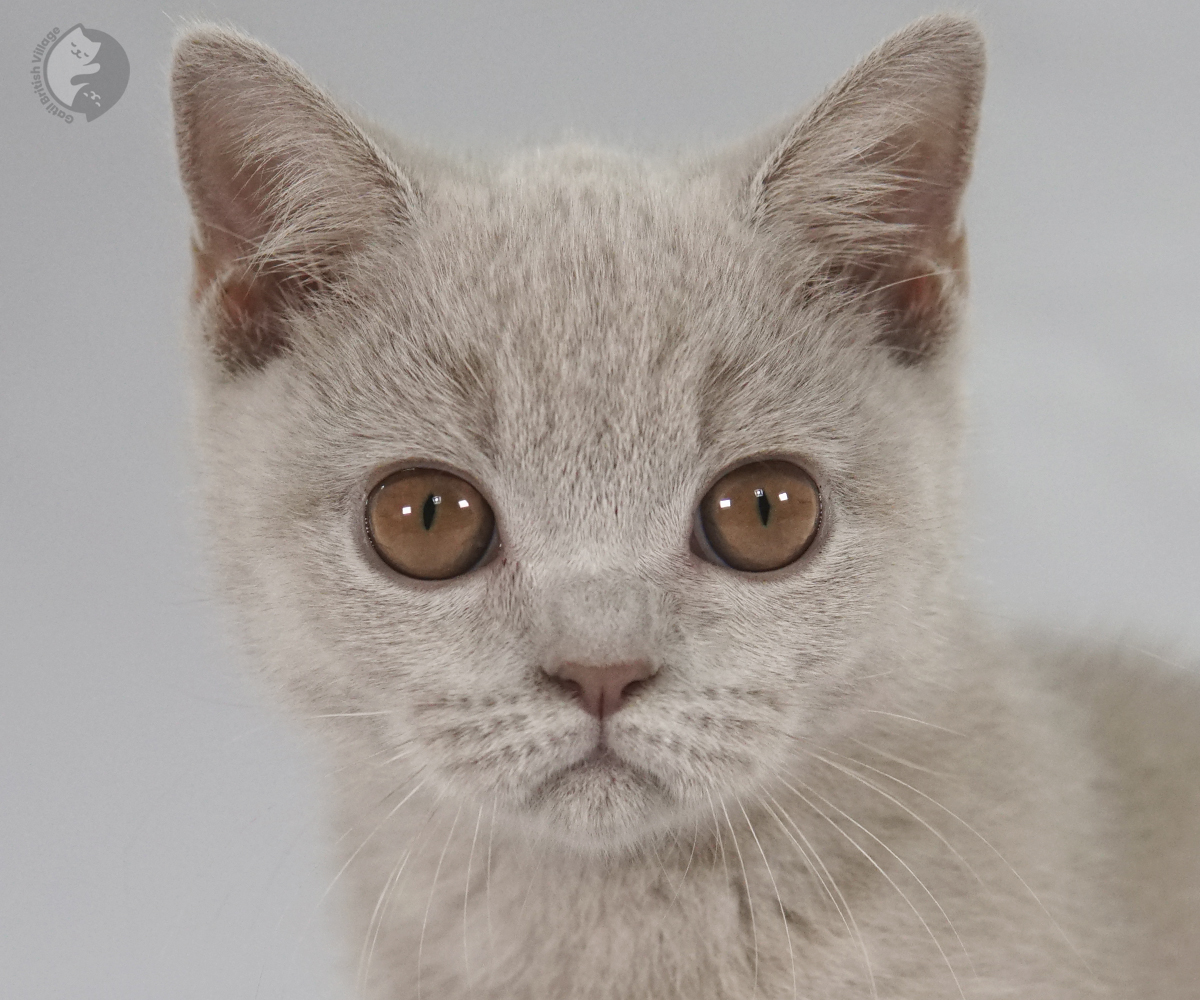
<point>86,71</point>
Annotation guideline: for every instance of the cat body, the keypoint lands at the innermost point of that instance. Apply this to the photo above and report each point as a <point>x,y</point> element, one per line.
<point>830,779</point>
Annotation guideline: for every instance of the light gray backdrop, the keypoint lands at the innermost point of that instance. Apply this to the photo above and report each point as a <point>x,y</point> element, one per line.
<point>158,831</point>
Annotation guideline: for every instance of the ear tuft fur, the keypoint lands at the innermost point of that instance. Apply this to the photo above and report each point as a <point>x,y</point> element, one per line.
<point>284,186</point>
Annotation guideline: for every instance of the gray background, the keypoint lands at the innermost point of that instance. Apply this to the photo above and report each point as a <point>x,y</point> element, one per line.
<point>159,835</point>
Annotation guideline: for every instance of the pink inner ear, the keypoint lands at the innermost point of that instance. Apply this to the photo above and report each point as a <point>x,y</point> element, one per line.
<point>248,330</point>
<point>917,304</point>
<point>214,256</point>
<point>919,295</point>
<point>235,213</point>
<point>922,299</point>
<point>250,326</point>
<point>242,300</point>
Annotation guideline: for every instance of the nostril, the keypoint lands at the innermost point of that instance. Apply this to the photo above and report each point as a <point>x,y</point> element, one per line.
<point>571,687</point>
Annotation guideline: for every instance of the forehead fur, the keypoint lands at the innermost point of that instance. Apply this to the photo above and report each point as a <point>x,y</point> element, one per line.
<point>583,307</point>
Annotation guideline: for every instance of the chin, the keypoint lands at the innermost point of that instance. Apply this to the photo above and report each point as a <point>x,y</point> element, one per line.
<point>602,805</point>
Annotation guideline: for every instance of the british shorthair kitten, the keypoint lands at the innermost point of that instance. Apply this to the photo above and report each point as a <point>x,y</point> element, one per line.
<point>601,513</point>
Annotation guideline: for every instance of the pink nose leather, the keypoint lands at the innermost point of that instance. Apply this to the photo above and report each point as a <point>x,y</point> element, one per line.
<point>602,690</point>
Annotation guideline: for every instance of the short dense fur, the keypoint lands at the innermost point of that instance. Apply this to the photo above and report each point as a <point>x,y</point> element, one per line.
<point>838,783</point>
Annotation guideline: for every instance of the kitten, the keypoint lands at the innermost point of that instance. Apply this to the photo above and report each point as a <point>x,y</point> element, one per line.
<point>601,515</point>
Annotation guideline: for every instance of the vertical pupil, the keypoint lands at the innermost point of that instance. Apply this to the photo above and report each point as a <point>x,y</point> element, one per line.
<point>430,510</point>
<point>764,507</point>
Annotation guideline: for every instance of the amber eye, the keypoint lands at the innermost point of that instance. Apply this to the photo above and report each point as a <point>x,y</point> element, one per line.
<point>761,516</point>
<point>429,524</point>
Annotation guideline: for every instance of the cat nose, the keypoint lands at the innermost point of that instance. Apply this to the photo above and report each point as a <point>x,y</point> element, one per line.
<point>602,690</point>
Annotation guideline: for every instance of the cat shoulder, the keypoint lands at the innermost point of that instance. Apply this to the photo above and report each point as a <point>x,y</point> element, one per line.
<point>1142,704</point>
<point>1140,714</point>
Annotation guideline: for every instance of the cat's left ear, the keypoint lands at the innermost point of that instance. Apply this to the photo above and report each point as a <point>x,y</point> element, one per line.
<point>285,188</point>
<point>864,189</point>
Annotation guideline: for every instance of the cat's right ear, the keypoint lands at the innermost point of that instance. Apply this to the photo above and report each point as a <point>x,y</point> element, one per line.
<point>285,188</point>
<point>862,192</point>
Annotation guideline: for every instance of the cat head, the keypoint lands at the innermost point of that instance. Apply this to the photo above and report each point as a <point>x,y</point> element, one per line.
<point>573,348</point>
<point>78,44</point>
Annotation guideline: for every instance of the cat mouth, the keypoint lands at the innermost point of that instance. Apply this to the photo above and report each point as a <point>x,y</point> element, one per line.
<point>603,770</point>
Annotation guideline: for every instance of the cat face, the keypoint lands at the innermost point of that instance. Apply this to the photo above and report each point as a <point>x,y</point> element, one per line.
<point>590,342</point>
<point>78,45</point>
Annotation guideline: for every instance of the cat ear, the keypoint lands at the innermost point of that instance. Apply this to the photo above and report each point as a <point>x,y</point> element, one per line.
<point>867,184</point>
<point>286,190</point>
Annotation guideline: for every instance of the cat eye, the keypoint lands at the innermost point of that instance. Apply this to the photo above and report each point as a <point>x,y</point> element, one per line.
<point>429,524</point>
<point>761,516</point>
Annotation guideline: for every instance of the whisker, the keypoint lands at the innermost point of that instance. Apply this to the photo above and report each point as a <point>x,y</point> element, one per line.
<point>466,903</point>
<point>433,888</point>
<point>988,844</point>
<point>487,892</point>
<point>898,760</point>
<point>389,888</point>
<point>350,860</point>
<point>368,948</point>
<point>906,867</point>
<point>875,676</point>
<point>687,867</point>
<point>537,868</point>
<point>342,768</point>
<point>720,839</point>
<point>661,867</point>
<point>922,722</point>
<point>749,895</point>
<point>348,715</point>
<point>787,931</point>
<point>851,924</point>
<point>895,801</point>
<point>915,619</point>
<point>890,881</point>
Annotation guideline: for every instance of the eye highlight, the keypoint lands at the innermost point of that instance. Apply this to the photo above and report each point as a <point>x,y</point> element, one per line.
<point>761,516</point>
<point>429,524</point>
